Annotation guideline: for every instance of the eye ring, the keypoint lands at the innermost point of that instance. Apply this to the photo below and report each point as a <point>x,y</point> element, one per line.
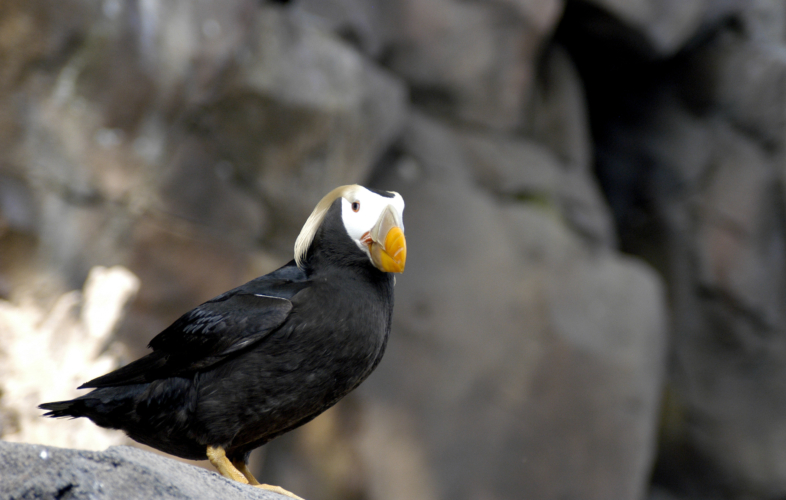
<point>355,206</point>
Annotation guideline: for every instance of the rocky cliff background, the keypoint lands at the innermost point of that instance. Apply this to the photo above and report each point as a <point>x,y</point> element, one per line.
<point>593,306</point>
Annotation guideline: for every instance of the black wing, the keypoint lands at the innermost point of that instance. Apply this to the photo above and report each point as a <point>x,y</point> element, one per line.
<point>214,330</point>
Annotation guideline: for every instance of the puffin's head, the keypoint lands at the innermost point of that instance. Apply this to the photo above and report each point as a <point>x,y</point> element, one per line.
<point>373,220</point>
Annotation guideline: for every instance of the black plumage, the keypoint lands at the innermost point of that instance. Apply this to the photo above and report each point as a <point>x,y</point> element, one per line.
<point>265,357</point>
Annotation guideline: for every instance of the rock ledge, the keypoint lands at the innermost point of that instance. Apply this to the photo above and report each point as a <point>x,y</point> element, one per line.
<point>119,472</point>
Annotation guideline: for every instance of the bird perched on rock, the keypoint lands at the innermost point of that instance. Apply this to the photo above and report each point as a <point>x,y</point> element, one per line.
<point>268,356</point>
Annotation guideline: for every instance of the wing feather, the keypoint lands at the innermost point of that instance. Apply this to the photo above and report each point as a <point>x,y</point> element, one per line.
<point>207,334</point>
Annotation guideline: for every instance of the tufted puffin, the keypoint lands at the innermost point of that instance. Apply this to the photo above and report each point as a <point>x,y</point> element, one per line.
<point>268,356</point>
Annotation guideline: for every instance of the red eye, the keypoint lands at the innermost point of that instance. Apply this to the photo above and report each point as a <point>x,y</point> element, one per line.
<point>355,206</point>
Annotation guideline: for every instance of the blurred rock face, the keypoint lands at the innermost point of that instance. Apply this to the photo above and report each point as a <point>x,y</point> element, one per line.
<point>690,154</point>
<point>47,354</point>
<point>531,139</point>
<point>533,359</point>
<point>157,125</point>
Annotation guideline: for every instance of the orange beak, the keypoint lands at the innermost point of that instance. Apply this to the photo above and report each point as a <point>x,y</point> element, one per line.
<point>388,246</point>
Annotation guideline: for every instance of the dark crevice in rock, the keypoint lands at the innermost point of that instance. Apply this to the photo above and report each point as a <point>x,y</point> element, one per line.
<point>65,492</point>
<point>634,94</point>
<point>624,80</point>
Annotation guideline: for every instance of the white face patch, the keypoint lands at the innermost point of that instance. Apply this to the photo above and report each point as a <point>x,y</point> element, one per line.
<point>361,209</point>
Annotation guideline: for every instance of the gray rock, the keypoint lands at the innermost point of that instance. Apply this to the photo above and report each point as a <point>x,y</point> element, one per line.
<point>714,188</point>
<point>558,114</point>
<point>523,365</point>
<point>120,472</point>
<point>764,21</point>
<point>471,60</point>
<point>376,25</point>
<point>369,24</point>
<point>668,25</point>
<point>325,115</point>
<point>748,78</point>
<point>177,135</point>
<point>516,168</point>
<point>740,242</point>
<point>734,324</point>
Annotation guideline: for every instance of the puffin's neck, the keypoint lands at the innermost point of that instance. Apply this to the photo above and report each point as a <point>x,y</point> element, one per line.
<point>333,248</point>
<point>328,257</point>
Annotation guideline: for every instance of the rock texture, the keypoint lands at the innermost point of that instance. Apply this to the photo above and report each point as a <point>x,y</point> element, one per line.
<point>691,155</point>
<point>594,302</point>
<point>472,61</point>
<point>46,355</point>
<point>547,336</point>
<point>120,472</point>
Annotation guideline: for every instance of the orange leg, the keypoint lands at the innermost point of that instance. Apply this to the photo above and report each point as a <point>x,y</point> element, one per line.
<point>218,458</point>
<point>239,471</point>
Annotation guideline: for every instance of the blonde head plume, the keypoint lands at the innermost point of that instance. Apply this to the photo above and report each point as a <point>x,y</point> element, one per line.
<point>309,231</point>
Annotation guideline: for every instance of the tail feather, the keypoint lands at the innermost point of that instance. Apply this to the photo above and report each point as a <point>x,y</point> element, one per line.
<point>141,371</point>
<point>60,409</point>
<point>106,407</point>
